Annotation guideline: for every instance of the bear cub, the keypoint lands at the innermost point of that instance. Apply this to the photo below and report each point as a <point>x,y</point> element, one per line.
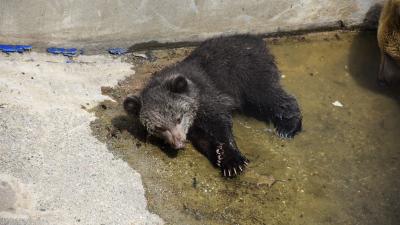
<point>195,98</point>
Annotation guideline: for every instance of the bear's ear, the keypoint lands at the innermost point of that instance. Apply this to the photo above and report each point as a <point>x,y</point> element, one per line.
<point>178,84</point>
<point>132,104</point>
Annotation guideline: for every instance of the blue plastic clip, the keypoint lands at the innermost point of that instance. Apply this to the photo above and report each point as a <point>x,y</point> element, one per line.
<point>25,47</point>
<point>117,51</point>
<point>64,51</point>
<point>15,48</point>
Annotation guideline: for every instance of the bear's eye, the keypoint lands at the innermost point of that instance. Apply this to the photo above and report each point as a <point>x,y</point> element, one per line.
<point>160,129</point>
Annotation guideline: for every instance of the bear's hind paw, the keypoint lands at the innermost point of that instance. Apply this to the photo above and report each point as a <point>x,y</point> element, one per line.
<point>288,128</point>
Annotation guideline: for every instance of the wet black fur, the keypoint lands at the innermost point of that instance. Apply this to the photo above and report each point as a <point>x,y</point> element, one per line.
<point>235,73</point>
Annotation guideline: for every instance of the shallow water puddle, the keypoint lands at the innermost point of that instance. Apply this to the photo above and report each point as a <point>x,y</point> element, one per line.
<point>342,169</point>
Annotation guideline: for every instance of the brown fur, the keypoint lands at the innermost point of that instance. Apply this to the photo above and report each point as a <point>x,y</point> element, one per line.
<point>389,42</point>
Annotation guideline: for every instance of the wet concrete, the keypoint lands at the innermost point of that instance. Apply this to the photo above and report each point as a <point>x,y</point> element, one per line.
<point>342,169</point>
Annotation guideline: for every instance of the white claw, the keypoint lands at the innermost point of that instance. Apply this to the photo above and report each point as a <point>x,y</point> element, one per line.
<point>246,163</point>
<point>229,172</point>
<point>240,168</point>
<point>234,170</point>
<point>219,157</point>
<point>224,173</point>
<point>217,151</point>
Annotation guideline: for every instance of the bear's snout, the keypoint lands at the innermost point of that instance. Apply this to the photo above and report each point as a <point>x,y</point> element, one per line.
<point>175,137</point>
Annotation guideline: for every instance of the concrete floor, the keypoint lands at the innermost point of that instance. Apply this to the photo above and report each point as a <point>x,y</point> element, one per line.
<point>53,171</point>
<point>342,169</point>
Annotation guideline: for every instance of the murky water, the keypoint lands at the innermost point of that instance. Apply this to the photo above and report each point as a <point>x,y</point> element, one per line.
<point>343,168</point>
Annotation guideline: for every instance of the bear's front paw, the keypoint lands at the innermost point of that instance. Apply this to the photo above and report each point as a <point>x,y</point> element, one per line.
<point>231,162</point>
<point>288,127</point>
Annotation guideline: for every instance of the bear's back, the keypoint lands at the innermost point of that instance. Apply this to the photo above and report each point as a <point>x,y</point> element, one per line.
<point>238,65</point>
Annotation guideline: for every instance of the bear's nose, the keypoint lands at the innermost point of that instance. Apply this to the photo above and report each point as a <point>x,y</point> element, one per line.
<point>178,144</point>
<point>178,139</point>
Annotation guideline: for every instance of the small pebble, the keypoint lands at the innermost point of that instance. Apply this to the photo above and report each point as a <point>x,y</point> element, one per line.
<point>140,55</point>
<point>194,182</point>
<point>337,104</point>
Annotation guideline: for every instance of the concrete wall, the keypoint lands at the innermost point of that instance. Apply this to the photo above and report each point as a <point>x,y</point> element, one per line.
<point>106,23</point>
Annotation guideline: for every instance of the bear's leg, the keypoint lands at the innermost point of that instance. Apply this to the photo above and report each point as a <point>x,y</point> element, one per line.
<point>212,135</point>
<point>282,109</point>
<point>203,143</point>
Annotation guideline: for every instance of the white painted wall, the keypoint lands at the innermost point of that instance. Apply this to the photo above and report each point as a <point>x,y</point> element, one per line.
<point>125,22</point>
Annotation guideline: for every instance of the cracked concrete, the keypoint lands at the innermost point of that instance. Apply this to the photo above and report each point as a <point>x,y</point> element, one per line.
<point>53,171</point>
